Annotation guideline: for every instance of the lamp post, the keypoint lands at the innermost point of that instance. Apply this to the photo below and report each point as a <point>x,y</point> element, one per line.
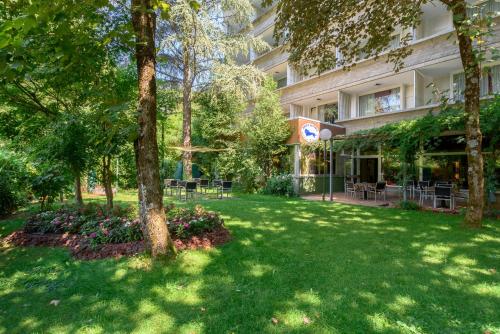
<point>326,135</point>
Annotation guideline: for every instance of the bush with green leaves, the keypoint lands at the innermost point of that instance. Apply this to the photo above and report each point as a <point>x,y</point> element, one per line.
<point>281,185</point>
<point>186,222</point>
<point>14,185</point>
<point>93,221</point>
<point>111,230</point>
<point>408,205</point>
<point>51,182</point>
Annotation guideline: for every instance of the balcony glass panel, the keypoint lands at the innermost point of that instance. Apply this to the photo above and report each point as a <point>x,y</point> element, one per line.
<point>380,102</point>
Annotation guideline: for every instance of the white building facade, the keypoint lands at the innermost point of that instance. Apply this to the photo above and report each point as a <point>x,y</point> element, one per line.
<point>372,95</point>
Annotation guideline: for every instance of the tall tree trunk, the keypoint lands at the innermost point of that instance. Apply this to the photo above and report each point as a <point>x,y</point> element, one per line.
<point>473,134</point>
<point>186,113</point>
<point>151,213</point>
<point>106,180</point>
<point>78,190</point>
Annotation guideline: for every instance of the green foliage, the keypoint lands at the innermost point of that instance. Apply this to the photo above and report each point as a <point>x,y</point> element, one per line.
<point>408,136</point>
<point>216,125</point>
<point>50,182</point>
<point>14,182</point>
<point>98,224</point>
<point>186,222</point>
<point>408,205</point>
<point>362,269</point>
<point>266,129</point>
<point>281,185</point>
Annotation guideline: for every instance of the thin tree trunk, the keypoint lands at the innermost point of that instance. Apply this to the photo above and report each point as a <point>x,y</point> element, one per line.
<point>473,134</point>
<point>151,213</point>
<point>78,190</point>
<point>186,119</point>
<point>106,179</point>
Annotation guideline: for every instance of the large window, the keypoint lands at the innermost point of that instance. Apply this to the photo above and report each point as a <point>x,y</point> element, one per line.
<point>380,102</point>
<point>330,112</point>
<point>485,8</point>
<point>490,83</point>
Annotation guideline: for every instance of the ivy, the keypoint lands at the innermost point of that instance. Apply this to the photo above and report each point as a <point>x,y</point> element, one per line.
<point>409,136</point>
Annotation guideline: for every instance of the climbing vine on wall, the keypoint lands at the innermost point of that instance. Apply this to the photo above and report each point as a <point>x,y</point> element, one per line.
<point>410,136</point>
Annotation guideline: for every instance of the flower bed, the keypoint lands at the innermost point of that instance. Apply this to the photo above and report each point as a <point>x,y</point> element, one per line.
<point>92,232</point>
<point>187,222</point>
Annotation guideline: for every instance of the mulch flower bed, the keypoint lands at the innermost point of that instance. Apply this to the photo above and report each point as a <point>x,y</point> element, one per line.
<point>81,249</point>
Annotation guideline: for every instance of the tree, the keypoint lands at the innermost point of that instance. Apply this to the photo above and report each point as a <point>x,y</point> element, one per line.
<point>151,213</point>
<point>267,129</point>
<point>52,57</point>
<point>112,122</point>
<point>216,126</point>
<point>193,41</point>
<point>365,27</point>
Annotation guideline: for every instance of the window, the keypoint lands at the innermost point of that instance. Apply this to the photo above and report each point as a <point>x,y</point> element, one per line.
<point>281,82</point>
<point>489,84</point>
<point>345,105</point>
<point>395,42</point>
<point>485,8</point>
<point>330,112</point>
<point>380,102</point>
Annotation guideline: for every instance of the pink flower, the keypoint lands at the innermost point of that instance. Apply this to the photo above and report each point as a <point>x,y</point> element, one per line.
<point>93,235</point>
<point>186,225</point>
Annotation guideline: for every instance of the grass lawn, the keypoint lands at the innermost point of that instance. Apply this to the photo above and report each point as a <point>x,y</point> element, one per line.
<point>348,269</point>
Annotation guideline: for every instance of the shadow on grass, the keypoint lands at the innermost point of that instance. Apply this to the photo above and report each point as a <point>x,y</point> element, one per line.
<point>347,269</point>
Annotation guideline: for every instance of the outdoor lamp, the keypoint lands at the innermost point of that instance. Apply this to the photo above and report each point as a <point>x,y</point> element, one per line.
<point>326,135</point>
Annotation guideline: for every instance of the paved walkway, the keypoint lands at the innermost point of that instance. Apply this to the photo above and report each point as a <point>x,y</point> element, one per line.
<point>391,201</point>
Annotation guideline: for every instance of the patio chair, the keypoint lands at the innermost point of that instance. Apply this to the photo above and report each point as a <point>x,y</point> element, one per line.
<point>443,184</point>
<point>173,185</point>
<point>204,185</point>
<point>216,183</point>
<point>379,188</point>
<point>166,183</point>
<point>423,190</point>
<point>410,187</point>
<point>349,189</point>
<point>443,194</point>
<point>224,188</point>
<point>189,189</point>
<point>359,188</point>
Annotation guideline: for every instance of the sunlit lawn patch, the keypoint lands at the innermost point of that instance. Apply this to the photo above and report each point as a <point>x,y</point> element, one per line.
<point>314,267</point>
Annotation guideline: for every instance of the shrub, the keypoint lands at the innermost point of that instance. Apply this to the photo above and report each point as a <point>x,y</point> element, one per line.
<point>111,230</point>
<point>408,205</point>
<point>93,221</point>
<point>186,222</point>
<point>13,182</point>
<point>280,185</point>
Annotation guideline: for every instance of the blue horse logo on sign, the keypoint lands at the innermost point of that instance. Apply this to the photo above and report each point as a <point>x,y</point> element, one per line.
<point>309,132</point>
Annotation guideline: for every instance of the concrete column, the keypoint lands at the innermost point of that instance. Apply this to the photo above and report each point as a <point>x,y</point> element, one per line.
<point>290,75</point>
<point>402,96</point>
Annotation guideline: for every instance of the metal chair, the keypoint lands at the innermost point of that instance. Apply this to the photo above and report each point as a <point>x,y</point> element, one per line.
<point>423,190</point>
<point>204,185</point>
<point>189,188</point>
<point>225,187</point>
<point>349,188</point>
<point>379,188</point>
<point>173,185</point>
<point>359,189</point>
<point>444,194</point>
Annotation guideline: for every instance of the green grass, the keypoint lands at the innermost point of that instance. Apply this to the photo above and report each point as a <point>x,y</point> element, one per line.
<point>349,269</point>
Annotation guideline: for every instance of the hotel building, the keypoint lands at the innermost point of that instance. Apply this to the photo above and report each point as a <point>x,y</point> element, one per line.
<point>371,95</point>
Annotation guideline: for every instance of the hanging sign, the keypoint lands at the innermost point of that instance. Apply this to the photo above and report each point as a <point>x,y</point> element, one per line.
<point>309,132</point>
